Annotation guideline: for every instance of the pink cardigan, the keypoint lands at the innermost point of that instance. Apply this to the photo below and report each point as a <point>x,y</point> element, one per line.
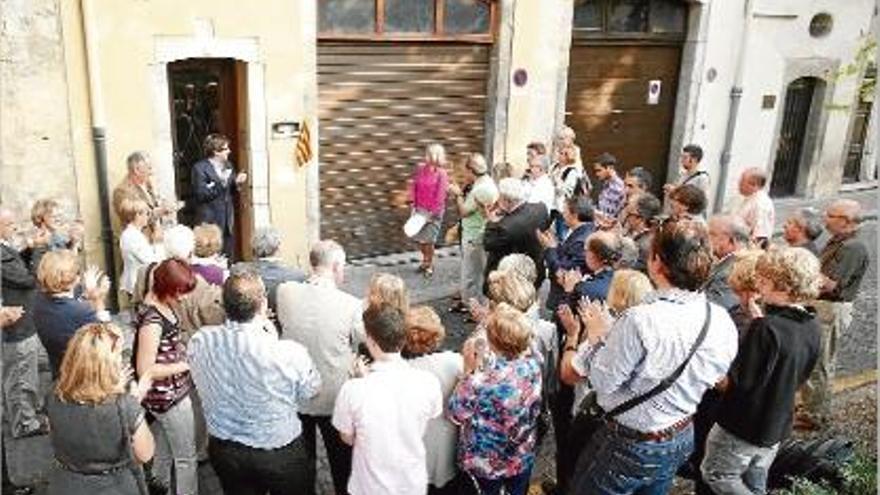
<point>427,189</point>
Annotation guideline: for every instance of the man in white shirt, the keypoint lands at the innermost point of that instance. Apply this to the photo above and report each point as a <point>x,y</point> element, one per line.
<point>327,321</point>
<point>539,182</point>
<point>691,172</point>
<point>383,414</point>
<point>755,207</point>
<point>251,385</point>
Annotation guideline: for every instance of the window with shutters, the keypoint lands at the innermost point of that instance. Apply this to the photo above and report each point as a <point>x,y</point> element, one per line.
<point>418,20</point>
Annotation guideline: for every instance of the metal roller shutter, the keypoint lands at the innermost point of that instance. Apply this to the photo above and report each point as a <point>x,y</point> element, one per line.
<point>380,104</point>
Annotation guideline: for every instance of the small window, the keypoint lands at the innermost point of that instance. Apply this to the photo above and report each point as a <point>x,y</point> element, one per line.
<point>409,16</point>
<point>407,20</point>
<point>667,16</point>
<point>346,16</point>
<point>588,15</point>
<point>466,16</point>
<point>628,16</point>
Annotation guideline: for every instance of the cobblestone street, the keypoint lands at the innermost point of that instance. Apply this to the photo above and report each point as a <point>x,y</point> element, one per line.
<point>29,459</point>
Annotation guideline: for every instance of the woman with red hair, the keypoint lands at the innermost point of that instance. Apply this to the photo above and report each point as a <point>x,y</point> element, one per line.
<point>160,352</point>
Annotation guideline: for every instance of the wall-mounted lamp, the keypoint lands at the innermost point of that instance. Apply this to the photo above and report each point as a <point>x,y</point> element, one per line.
<point>285,130</point>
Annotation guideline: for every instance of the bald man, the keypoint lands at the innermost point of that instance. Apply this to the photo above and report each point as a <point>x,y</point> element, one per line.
<point>844,263</point>
<point>755,207</point>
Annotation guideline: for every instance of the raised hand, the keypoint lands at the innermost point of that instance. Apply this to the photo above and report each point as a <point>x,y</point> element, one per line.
<point>570,323</point>
<point>596,317</point>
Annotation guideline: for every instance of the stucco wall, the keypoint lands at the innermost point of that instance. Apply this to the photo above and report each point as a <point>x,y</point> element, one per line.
<point>36,159</point>
<point>540,45</point>
<point>133,38</point>
<point>778,49</point>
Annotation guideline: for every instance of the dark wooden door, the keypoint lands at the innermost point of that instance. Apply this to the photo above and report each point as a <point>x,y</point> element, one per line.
<point>852,171</point>
<point>789,150</point>
<point>380,105</point>
<point>209,96</point>
<point>608,107</point>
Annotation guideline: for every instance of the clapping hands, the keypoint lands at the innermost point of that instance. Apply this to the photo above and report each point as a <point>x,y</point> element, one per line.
<point>596,317</point>
<point>546,238</point>
<point>568,279</point>
<point>96,285</point>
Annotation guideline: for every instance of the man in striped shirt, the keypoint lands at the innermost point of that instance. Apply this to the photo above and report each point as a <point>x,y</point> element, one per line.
<point>251,384</point>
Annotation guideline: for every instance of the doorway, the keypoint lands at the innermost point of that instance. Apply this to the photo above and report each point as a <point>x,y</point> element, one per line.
<point>209,96</point>
<point>790,150</point>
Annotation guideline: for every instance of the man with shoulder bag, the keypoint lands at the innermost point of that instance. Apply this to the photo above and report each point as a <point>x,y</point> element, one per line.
<point>649,370</point>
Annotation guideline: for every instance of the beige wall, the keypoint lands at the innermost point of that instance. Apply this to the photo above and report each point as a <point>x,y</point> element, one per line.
<point>540,45</point>
<point>128,34</point>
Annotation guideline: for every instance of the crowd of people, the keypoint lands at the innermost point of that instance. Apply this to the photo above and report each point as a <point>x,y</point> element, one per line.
<point>652,338</point>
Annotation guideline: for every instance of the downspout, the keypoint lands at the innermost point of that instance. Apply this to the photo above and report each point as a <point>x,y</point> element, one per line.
<point>735,96</point>
<point>99,141</point>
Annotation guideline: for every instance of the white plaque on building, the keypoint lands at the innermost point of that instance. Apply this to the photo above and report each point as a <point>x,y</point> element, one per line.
<point>654,91</point>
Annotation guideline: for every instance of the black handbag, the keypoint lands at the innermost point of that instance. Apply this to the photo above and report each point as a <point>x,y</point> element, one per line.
<point>148,483</point>
<point>590,416</point>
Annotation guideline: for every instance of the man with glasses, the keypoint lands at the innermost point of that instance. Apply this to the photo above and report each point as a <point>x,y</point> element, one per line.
<point>214,182</point>
<point>844,263</point>
<point>691,173</point>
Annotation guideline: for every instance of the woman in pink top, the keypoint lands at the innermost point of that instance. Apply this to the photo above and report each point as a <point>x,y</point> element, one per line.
<point>427,194</point>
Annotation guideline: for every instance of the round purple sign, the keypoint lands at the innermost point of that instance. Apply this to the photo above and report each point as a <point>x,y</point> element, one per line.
<point>520,77</point>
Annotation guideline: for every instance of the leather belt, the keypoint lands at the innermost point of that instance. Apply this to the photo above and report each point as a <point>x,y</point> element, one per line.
<point>653,436</point>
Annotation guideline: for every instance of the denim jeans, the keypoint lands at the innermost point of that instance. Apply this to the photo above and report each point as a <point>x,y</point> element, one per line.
<point>174,431</point>
<point>615,464</point>
<point>245,470</point>
<point>733,466</point>
<point>21,384</point>
<point>514,485</point>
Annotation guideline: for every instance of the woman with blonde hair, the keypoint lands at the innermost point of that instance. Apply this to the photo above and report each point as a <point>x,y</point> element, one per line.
<point>99,435</point>
<point>58,312</point>
<point>421,349</point>
<point>386,288</point>
<point>497,443</point>
<point>427,194</point>
<point>208,260</point>
<point>136,248</point>
<point>744,283</point>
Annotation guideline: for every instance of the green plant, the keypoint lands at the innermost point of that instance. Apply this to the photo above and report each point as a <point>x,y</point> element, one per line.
<point>859,478</point>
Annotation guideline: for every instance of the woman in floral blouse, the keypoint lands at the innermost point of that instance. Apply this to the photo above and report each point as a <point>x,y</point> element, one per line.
<point>496,403</point>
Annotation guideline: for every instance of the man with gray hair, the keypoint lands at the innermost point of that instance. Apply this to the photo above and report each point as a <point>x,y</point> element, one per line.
<point>802,229</point>
<point>138,185</point>
<point>512,228</point>
<point>327,321</point>
<point>844,261</point>
<point>266,246</point>
<point>727,235</point>
<point>537,180</point>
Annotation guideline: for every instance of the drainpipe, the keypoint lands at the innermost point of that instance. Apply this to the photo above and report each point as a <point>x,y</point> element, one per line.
<point>99,141</point>
<point>735,96</point>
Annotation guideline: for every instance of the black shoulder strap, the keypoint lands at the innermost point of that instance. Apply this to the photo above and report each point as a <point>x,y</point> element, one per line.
<point>669,380</point>
<point>691,177</point>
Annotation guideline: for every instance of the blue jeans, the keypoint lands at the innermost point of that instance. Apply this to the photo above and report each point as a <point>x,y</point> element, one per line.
<point>615,464</point>
<point>514,485</point>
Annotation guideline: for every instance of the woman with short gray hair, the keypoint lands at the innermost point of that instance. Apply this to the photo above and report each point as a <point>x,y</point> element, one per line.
<point>265,246</point>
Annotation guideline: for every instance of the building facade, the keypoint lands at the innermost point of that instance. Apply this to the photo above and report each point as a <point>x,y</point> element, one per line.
<point>780,84</point>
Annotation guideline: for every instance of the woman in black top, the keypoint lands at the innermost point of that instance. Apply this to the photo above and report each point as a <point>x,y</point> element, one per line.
<point>775,358</point>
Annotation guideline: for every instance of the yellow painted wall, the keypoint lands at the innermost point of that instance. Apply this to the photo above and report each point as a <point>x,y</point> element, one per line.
<point>126,38</point>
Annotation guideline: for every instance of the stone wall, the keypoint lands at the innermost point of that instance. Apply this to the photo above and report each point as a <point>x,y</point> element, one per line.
<point>36,158</point>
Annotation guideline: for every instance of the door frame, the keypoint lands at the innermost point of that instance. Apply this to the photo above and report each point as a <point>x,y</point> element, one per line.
<point>808,169</point>
<point>254,121</point>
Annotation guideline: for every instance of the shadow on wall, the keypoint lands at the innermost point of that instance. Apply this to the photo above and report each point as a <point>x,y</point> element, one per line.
<point>380,105</point>
<point>608,104</point>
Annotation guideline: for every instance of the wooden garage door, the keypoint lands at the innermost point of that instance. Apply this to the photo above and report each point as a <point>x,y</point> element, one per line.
<point>380,105</point>
<point>607,103</point>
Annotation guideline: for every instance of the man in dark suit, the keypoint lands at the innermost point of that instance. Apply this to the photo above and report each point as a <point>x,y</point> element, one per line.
<point>514,230</point>
<point>214,182</point>
<point>569,255</point>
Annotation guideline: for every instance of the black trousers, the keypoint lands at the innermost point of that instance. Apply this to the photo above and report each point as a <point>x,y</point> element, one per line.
<point>705,417</point>
<point>338,452</point>
<point>245,470</point>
